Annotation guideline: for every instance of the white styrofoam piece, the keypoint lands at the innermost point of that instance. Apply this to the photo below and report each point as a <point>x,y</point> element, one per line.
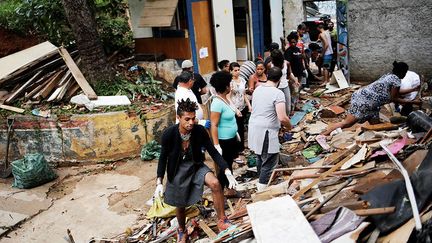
<point>111,101</point>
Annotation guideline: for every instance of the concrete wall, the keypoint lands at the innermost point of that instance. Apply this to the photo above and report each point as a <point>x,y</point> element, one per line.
<point>85,138</point>
<point>293,14</point>
<point>380,32</point>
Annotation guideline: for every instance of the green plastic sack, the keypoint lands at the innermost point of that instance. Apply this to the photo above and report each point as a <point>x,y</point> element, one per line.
<point>150,150</point>
<point>251,160</point>
<point>31,171</point>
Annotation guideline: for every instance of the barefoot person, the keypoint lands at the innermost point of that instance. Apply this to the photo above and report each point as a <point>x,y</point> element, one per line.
<point>182,158</point>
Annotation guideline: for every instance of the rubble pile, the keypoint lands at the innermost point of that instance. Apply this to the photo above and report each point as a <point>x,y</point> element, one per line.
<point>41,73</point>
<point>357,185</point>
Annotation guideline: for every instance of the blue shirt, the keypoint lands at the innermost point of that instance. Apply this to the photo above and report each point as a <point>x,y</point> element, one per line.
<point>227,127</point>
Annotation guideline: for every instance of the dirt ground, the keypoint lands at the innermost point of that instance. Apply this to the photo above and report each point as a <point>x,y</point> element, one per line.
<point>12,42</point>
<point>92,201</point>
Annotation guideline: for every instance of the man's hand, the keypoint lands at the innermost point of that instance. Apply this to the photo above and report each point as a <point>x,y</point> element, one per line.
<point>205,123</point>
<point>159,188</point>
<point>232,181</point>
<point>218,148</point>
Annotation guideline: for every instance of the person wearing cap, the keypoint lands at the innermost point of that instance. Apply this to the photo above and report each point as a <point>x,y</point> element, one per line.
<point>184,91</point>
<point>199,86</point>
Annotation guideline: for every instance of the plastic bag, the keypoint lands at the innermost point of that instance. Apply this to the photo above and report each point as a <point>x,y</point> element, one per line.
<point>150,150</point>
<point>31,171</point>
<point>163,210</point>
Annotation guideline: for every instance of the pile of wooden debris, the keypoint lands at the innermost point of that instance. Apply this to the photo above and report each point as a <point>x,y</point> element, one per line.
<point>41,73</point>
<point>348,187</point>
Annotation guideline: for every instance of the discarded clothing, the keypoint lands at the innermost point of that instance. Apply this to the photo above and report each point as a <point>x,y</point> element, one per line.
<point>336,223</point>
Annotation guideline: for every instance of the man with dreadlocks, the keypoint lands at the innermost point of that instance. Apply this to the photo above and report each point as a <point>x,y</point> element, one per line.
<point>182,159</point>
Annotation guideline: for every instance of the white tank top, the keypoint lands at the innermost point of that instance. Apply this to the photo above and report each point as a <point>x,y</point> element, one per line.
<point>283,81</point>
<point>329,50</point>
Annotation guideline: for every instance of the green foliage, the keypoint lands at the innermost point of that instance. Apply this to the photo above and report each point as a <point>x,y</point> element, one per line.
<point>46,18</point>
<point>146,86</point>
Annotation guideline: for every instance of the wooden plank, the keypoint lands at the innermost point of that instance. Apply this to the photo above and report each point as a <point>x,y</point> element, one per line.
<point>37,89</point>
<point>164,11</point>
<point>76,73</point>
<point>11,108</point>
<point>209,232</point>
<point>160,3</point>
<point>158,13</point>
<point>181,50</point>
<point>44,92</point>
<point>332,195</point>
<point>375,211</point>
<point>380,127</point>
<point>152,21</point>
<point>322,176</point>
<point>72,90</point>
<point>64,89</point>
<point>25,58</point>
<point>402,234</point>
<point>14,95</point>
<point>353,205</point>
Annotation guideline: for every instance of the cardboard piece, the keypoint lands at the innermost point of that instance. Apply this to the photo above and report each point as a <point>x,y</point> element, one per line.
<point>359,156</point>
<point>316,128</point>
<point>394,147</point>
<point>279,219</point>
<point>337,109</point>
<point>337,82</point>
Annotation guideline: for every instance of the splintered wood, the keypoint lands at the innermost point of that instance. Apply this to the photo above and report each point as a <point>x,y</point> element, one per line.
<point>42,72</point>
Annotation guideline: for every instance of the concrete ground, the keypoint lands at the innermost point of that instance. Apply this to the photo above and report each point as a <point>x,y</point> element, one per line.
<point>92,201</point>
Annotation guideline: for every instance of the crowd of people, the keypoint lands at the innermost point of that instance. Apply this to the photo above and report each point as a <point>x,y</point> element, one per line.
<point>260,95</point>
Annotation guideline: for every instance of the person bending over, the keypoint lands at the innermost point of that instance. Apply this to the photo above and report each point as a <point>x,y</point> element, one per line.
<point>367,101</point>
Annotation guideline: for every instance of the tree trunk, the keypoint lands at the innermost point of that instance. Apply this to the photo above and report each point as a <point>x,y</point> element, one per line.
<point>95,65</point>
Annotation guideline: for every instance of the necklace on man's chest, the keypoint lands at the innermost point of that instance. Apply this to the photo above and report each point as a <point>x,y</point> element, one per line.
<point>185,137</point>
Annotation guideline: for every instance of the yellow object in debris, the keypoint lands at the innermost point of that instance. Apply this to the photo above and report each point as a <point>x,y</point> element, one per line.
<point>160,209</point>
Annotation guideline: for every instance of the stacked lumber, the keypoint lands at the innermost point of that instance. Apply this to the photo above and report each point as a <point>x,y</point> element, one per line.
<point>41,73</point>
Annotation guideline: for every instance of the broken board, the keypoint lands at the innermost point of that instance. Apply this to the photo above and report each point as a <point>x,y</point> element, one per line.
<point>279,219</point>
<point>76,73</point>
<point>21,59</point>
<point>337,82</point>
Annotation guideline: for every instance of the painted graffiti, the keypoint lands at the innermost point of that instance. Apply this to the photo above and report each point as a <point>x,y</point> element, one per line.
<point>342,29</point>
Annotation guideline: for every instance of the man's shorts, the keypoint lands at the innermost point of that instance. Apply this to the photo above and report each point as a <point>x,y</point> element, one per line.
<point>327,59</point>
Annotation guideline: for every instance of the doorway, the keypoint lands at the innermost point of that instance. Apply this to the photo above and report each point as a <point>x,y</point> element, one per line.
<point>204,40</point>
